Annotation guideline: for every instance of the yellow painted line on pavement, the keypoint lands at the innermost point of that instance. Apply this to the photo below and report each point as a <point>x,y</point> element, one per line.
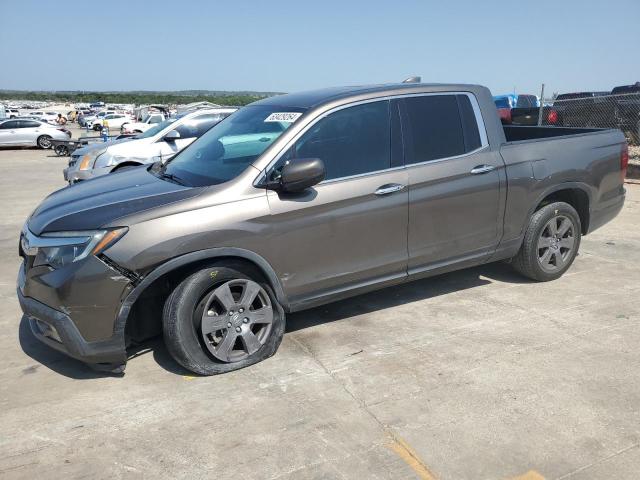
<point>189,377</point>
<point>530,475</point>
<point>411,458</point>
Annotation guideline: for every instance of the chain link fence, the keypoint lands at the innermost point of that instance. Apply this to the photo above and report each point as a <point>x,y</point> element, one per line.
<point>588,110</point>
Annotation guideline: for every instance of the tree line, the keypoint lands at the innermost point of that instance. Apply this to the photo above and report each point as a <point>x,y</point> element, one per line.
<point>130,97</point>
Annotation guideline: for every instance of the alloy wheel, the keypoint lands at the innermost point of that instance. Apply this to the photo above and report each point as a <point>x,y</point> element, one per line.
<point>44,142</point>
<point>556,243</point>
<point>236,320</point>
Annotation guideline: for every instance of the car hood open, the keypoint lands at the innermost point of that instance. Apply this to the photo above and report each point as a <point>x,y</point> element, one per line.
<point>94,203</point>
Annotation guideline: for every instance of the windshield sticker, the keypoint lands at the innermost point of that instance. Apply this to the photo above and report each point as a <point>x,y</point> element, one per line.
<point>288,117</point>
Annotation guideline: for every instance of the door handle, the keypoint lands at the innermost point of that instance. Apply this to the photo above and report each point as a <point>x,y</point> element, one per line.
<point>389,188</point>
<point>482,169</point>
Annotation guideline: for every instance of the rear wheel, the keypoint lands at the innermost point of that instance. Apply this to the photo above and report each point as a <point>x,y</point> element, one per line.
<point>550,244</point>
<point>44,141</point>
<point>97,128</point>
<point>222,318</point>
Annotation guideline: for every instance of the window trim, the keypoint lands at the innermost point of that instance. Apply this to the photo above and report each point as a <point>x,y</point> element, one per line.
<point>482,130</point>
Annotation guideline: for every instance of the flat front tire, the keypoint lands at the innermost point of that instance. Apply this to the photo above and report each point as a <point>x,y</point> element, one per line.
<point>550,244</point>
<point>222,318</point>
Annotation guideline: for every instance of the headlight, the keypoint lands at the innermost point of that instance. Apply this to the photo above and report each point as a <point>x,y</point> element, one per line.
<point>89,158</point>
<point>63,248</point>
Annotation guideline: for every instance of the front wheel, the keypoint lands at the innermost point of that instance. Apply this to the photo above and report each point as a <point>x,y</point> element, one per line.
<point>97,128</point>
<point>222,318</point>
<point>550,244</point>
<point>44,141</point>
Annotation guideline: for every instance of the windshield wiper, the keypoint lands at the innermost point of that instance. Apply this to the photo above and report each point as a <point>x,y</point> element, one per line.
<point>172,177</point>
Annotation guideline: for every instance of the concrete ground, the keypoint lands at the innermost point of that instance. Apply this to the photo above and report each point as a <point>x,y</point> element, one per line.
<point>477,374</point>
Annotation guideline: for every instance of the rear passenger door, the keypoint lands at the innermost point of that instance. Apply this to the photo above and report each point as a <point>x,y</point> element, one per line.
<point>9,132</point>
<point>454,181</point>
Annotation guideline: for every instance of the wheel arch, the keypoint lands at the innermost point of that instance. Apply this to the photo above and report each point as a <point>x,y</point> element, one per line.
<point>126,164</point>
<point>576,194</point>
<point>137,320</point>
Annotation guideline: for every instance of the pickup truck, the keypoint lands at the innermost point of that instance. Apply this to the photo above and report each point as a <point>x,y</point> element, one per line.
<point>299,200</point>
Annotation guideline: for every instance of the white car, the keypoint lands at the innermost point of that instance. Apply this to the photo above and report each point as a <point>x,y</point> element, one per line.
<point>114,121</point>
<point>95,122</point>
<point>47,117</point>
<point>147,122</point>
<point>24,132</point>
<point>159,143</point>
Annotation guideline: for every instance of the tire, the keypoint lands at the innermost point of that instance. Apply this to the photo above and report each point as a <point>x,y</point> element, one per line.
<point>194,308</point>
<point>546,254</point>
<point>97,128</point>
<point>44,142</point>
<point>61,150</point>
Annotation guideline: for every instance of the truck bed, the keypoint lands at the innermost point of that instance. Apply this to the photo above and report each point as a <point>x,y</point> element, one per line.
<point>515,133</point>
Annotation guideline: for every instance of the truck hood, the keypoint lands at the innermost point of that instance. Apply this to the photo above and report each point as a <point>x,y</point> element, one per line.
<point>94,203</point>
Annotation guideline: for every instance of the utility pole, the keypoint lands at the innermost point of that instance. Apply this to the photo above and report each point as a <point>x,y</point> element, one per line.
<point>541,105</point>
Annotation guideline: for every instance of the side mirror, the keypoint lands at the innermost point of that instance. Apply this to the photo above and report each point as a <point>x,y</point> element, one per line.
<point>299,174</point>
<point>172,136</point>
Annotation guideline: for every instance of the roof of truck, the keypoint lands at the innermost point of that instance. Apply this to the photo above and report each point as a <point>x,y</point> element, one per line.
<point>313,98</point>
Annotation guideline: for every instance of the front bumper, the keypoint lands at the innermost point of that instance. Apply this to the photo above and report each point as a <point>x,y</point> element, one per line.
<point>58,331</point>
<point>74,309</point>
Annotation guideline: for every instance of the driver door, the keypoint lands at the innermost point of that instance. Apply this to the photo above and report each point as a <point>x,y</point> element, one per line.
<point>350,230</point>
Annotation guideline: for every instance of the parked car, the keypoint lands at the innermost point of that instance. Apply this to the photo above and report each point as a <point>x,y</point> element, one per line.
<point>27,132</point>
<point>578,109</point>
<point>95,121</point>
<point>47,117</point>
<point>158,143</point>
<point>506,103</point>
<point>147,122</point>
<point>504,110</point>
<point>352,190</point>
<point>114,121</point>
<point>12,112</point>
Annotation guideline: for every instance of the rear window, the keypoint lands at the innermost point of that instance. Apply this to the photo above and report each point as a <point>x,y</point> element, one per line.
<point>439,126</point>
<point>502,103</point>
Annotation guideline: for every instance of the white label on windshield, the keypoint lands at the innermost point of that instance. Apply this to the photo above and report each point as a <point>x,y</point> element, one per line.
<point>288,117</point>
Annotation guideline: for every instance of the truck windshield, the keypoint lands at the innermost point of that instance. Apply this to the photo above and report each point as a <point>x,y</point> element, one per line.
<point>231,146</point>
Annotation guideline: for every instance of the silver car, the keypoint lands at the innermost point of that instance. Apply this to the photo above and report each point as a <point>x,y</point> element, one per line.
<point>27,132</point>
<point>160,142</point>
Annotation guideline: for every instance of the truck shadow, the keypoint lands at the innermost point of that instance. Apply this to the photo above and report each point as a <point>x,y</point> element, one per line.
<point>342,310</point>
<point>409,292</point>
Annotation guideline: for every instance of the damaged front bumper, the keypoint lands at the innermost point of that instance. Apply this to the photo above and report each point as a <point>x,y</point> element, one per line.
<point>74,310</point>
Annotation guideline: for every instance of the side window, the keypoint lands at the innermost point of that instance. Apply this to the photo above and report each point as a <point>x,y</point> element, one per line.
<point>439,126</point>
<point>351,141</point>
<point>469,124</point>
<point>8,125</point>
<point>29,124</point>
<point>434,128</point>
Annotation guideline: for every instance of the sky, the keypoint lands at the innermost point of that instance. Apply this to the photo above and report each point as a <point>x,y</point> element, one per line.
<point>284,46</point>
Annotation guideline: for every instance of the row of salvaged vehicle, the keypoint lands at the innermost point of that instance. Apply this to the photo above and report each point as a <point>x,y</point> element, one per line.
<point>158,142</point>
